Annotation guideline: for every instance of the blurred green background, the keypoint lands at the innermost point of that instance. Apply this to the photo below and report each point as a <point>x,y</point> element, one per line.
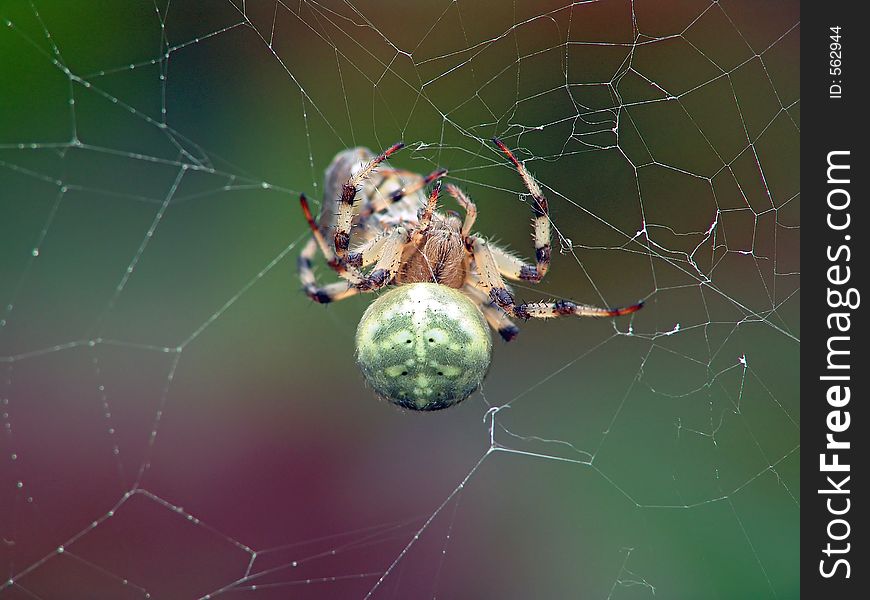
<point>181,418</point>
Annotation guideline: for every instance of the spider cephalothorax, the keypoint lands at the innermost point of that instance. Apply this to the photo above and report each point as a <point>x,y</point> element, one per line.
<point>418,346</point>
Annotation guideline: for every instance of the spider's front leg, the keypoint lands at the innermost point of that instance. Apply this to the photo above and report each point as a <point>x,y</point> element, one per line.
<point>349,269</point>
<point>332,292</point>
<point>385,248</point>
<point>467,205</point>
<point>341,237</point>
<point>511,266</point>
<point>493,284</point>
<point>341,267</point>
<point>428,210</point>
<point>387,267</point>
<point>417,183</point>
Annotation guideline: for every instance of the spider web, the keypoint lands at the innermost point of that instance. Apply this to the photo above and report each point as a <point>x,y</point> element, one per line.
<point>180,422</point>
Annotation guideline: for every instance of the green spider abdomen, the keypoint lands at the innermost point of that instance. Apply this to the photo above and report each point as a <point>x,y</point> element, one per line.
<point>423,346</point>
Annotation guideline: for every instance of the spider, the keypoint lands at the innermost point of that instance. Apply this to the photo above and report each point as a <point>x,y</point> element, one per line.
<point>424,345</point>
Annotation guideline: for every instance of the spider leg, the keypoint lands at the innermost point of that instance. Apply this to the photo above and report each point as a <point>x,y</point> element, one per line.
<point>540,221</point>
<point>467,205</point>
<point>389,261</point>
<point>339,266</point>
<point>315,230</point>
<point>332,292</point>
<point>341,237</point>
<point>383,202</point>
<point>386,249</point>
<point>348,269</point>
<point>512,266</point>
<point>492,283</point>
<point>499,321</point>
<point>429,209</point>
<point>369,252</point>
<point>496,317</point>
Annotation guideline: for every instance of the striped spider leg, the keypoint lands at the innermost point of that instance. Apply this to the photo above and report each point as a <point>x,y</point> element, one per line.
<point>467,205</point>
<point>494,315</point>
<point>540,224</point>
<point>381,202</point>
<point>349,190</point>
<point>384,250</point>
<point>493,284</point>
